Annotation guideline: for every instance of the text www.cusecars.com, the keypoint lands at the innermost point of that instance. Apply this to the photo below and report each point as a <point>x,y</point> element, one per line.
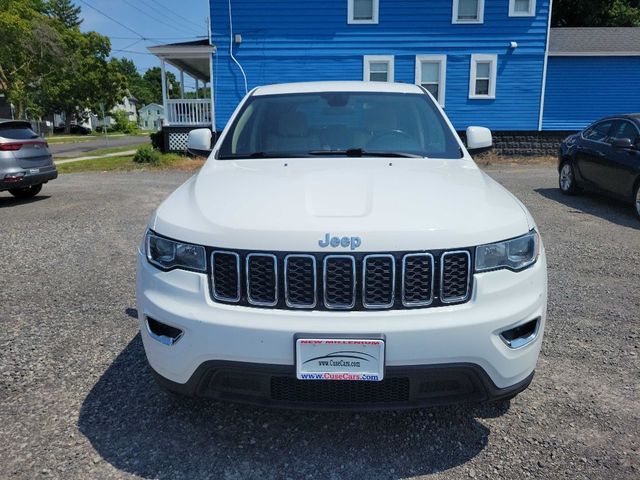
<point>339,363</point>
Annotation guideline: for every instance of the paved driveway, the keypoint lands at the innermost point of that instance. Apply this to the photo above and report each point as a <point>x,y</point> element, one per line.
<point>84,147</point>
<point>77,399</point>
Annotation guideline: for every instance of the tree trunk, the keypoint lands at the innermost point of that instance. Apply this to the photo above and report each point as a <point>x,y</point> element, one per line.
<point>67,122</point>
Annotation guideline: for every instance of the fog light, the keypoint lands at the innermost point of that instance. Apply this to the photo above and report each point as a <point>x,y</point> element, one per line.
<point>521,335</point>
<point>163,333</point>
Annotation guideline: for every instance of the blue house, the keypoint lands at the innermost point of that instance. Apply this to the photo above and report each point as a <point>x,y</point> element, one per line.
<point>494,63</point>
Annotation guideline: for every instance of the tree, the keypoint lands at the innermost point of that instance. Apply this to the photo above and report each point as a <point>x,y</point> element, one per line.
<point>136,85</point>
<point>596,13</point>
<point>65,12</point>
<point>29,51</point>
<point>153,78</point>
<point>85,78</point>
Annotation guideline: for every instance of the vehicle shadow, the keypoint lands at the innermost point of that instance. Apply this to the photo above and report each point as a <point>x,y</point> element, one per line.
<point>11,201</point>
<point>140,429</point>
<point>594,204</point>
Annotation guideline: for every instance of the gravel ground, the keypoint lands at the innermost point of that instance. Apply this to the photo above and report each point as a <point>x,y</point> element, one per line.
<point>77,399</point>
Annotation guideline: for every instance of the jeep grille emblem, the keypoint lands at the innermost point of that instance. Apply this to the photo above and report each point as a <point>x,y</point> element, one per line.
<point>344,242</point>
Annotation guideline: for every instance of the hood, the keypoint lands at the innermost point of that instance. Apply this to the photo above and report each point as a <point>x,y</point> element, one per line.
<point>391,205</point>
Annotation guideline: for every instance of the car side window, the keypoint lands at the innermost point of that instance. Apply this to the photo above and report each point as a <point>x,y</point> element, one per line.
<point>599,132</point>
<point>625,129</point>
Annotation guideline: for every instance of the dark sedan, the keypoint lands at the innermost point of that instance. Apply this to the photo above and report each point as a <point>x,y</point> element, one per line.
<point>605,158</point>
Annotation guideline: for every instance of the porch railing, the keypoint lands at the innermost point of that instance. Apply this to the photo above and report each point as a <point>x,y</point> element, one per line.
<point>189,112</point>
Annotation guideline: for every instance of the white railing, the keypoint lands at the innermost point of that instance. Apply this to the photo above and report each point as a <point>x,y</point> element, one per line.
<point>189,112</point>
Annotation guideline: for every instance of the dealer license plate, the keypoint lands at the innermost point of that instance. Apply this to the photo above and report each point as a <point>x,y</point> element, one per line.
<point>340,359</point>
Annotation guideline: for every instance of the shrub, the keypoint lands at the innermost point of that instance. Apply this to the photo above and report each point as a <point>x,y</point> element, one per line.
<point>122,123</point>
<point>148,155</point>
<point>157,140</point>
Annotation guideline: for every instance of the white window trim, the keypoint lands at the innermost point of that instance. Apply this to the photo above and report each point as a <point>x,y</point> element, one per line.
<point>530,13</point>
<point>475,58</point>
<point>454,15</point>
<point>442,80</point>
<point>353,21</point>
<point>368,59</point>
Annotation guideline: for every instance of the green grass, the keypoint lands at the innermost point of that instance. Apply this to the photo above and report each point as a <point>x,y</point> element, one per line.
<point>119,164</point>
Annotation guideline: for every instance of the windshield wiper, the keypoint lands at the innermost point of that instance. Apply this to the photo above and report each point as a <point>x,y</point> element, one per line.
<point>360,152</point>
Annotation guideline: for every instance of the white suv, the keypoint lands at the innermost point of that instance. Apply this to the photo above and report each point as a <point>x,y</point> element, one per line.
<point>341,249</point>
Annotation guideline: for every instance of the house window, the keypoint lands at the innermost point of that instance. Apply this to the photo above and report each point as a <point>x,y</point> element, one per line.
<point>468,11</point>
<point>482,83</point>
<point>522,8</point>
<point>378,68</point>
<point>431,72</point>
<point>362,11</point>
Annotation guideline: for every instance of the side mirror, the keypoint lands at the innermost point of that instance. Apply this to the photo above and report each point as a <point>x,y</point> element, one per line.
<point>622,143</point>
<point>199,142</point>
<point>479,139</point>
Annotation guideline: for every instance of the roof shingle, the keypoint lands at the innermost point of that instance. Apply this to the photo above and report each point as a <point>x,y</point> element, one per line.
<point>600,41</point>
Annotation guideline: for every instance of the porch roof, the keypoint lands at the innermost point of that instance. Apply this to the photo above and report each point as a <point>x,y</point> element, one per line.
<point>191,57</point>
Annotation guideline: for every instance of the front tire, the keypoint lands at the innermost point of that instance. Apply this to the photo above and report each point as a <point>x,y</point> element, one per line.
<point>636,201</point>
<point>26,192</point>
<point>567,180</point>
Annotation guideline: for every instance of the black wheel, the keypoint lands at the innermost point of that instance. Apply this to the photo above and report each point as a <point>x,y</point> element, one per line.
<point>26,192</point>
<point>636,201</point>
<point>567,179</point>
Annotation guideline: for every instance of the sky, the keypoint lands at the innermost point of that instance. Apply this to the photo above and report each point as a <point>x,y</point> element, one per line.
<point>157,21</point>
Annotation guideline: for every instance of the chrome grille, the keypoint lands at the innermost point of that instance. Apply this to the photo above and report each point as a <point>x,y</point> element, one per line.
<point>226,276</point>
<point>300,285</point>
<point>339,282</point>
<point>379,281</point>
<point>262,279</point>
<point>454,276</point>
<point>359,281</point>
<point>417,279</point>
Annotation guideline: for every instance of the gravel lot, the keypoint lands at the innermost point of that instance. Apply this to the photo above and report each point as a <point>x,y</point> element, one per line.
<point>77,399</point>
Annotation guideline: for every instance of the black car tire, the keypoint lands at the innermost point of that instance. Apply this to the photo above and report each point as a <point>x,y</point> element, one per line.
<point>567,179</point>
<point>26,192</point>
<point>636,200</point>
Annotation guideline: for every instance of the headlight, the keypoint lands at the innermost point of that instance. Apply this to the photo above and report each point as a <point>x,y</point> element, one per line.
<point>516,254</point>
<point>168,254</point>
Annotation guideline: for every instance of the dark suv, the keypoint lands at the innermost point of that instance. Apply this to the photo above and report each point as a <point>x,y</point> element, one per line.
<point>25,160</point>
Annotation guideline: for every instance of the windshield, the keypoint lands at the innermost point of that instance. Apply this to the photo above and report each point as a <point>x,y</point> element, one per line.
<point>339,123</point>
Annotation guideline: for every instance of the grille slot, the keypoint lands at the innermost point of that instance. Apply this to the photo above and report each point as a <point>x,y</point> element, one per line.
<point>262,279</point>
<point>225,276</point>
<point>357,281</point>
<point>300,283</point>
<point>378,281</point>
<point>454,276</point>
<point>389,390</point>
<point>339,282</point>
<point>417,279</point>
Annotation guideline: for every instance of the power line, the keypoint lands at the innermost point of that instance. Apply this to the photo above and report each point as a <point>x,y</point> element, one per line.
<point>156,17</point>
<point>112,19</point>
<point>173,12</point>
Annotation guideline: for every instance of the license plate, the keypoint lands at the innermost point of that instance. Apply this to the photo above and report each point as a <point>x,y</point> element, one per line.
<point>340,359</point>
<point>34,170</point>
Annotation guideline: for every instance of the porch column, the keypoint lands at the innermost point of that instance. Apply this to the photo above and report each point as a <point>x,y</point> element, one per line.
<point>211,83</point>
<point>164,92</point>
<point>181,84</point>
<point>197,88</point>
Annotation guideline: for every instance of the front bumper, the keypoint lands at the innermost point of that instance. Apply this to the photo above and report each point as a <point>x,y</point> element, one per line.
<point>403,387</point>
<point>44,175</point>
<point>448,338</point>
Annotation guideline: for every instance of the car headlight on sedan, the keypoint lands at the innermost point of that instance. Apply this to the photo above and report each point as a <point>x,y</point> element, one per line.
<point>169,254</point>
<point>515,254</point>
